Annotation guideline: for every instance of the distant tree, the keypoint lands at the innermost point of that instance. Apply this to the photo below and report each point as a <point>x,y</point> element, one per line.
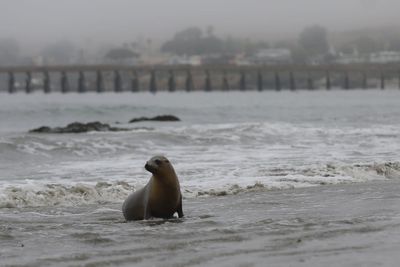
<point>210,45</point>
<point>192,42</point>
<point>246,46</point>
<point>134,45</point>
<point>367,45</point>
<point>249,47</point>
<point>210,30</point>
<point>121,54</point>
<point>299,54</point>
<point>233,45</point>
<point>9,52</point>
<point>230,45</point>
<point>262,45</point>
<point>314,40</point>
<point>347,48</point>
<point>149,43</point>
<point>192,33</point>
<point>288,44</point>
<point>61,52</point>
<point>394,44</point>
<point>186,42</point>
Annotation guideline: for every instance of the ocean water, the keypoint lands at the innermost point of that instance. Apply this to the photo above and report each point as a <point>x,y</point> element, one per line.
<point>285,178</point>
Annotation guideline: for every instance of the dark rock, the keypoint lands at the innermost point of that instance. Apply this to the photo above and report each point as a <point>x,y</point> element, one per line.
<point>43,129</point>
<point>156,118</point>
<point>77,127</point>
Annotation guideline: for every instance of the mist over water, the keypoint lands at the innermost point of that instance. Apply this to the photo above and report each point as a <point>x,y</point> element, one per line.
<point>39,22</point>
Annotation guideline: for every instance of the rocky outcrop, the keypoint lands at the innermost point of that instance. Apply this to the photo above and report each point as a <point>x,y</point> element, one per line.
<point>156,118</point>
<point>77,127</point>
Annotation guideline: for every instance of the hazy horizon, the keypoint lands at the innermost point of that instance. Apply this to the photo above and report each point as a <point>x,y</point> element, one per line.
<point>38,22</point>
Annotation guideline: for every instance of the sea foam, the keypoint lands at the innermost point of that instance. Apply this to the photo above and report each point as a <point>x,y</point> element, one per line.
<point>35,195</point>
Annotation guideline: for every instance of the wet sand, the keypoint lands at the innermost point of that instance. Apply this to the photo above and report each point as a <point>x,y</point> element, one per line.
<point>334,225</point>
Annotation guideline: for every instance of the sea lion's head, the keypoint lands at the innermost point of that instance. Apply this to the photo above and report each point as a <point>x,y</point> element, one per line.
<point>159,166</point>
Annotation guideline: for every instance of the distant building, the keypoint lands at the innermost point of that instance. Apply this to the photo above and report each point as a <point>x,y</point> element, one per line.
<point>385,57</point>
<point>33,61</point>
<point>123,56</point>
<point>272,56</point>
<point>241,62</point>
<point>217,59</point>
<point>354,58</point>
<point>378,57</point>
<point>184,60</point>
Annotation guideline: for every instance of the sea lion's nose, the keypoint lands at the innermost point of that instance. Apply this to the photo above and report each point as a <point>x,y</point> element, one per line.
<point>148,167</point>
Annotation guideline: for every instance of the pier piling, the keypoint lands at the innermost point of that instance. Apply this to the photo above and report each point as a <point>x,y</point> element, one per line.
<point>81,82</point>
<point>292,82</point>
<point>328,80</point>
<point>46,82</point>
<point>11,82</point>
<point>64,82</point>
<point>242,81</point>
<point>310,82</point>
<point>277,82</point>
<point>171,81</point>
<point>99,82</point>
<point>346,81</point>
<point>398,74</point>
<point>153,82</point>
<point>364,82</point>
<point>28,83</point>
<point>260,81</point>
<point>117,82</point>
<point>225,82</point>
<point>189,82</point>
<point>135,82</point>
<point>207,82</point>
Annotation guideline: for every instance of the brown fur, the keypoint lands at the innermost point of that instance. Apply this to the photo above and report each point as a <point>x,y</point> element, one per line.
<point>160,198</point>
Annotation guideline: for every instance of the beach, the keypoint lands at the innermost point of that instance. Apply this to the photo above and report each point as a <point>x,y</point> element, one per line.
<point>272,178</point>
<point>351,225</point>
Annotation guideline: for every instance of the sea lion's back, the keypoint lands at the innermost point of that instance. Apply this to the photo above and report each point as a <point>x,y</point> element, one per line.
<point>134,206</point>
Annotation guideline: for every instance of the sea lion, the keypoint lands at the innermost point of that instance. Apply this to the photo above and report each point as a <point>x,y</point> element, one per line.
<point>160,198</point>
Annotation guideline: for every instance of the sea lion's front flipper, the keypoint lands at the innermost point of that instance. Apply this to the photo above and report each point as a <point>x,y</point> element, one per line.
<point>147,214</point>
<point>180,210</point>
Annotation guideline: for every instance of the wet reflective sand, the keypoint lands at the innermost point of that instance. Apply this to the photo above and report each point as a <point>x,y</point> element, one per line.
<point>338,225</point>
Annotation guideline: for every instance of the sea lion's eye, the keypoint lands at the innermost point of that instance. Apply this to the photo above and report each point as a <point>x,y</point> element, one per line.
<point>166,161</point>
<point>158,162</point>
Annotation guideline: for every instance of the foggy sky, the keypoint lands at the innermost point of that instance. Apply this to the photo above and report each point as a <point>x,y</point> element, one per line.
<point>116,21</point>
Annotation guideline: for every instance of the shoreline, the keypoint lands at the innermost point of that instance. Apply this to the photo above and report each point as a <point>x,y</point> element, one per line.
<point>330,225</point>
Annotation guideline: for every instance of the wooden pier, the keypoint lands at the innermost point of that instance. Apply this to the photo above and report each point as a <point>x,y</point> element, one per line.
<point>121,78</point>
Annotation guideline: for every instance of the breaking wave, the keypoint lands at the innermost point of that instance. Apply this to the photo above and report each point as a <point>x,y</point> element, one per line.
<point>58,194</point>
<point>268,179</point>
